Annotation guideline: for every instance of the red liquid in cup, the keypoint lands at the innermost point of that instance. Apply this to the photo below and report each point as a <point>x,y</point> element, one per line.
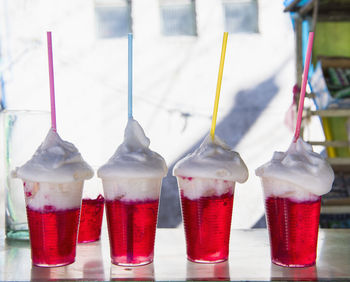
<point>207,222</point>
<point>53,235</point>
<point>91,220</point>
<point>132,230</point>
<point>293,228</point>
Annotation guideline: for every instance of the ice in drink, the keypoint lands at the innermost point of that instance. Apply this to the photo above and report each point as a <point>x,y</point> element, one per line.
<point>206,180</point>
<point>90,219</point>
<point>132,180</point>
<point>293,184</point>
<point>53,183</point>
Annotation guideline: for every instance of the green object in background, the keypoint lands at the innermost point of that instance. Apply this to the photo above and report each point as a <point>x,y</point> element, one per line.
<point>338,127</point>
<point>332,39</point>
<point>344,93</point>
<point>334,77</point>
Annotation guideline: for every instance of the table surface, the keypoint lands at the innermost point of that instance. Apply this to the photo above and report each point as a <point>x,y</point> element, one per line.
<point>249,260</point>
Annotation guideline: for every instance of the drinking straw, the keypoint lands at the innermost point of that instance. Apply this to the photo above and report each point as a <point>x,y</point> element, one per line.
<point>130,239</point>
<point>218,86</point>
<point>52,86</point>
<point>130,75</point>
<point>303,85</point>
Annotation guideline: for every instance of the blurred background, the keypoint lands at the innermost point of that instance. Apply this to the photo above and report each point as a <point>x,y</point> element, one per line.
<point>177,45</point>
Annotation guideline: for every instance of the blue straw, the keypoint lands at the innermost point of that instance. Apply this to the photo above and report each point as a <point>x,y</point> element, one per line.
<point>130,75</point>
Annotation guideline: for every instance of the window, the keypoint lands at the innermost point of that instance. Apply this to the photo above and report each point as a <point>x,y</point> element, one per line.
<point>178,17</point>
<point>113,18</point>
<point>241,16</point>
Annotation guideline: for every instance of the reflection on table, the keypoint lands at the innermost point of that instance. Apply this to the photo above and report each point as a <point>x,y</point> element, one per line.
<point>249,260</point>
<point>88,265</point>
<point>210,272</point>
<point>294,274</point>
<point>137,273</point>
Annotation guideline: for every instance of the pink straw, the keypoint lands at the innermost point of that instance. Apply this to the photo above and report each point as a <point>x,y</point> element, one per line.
<point>52,86</point>
<point>303,85</point>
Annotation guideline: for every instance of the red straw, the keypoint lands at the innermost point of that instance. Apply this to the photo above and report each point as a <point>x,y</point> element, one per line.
<point>303,85</point>
<point>52,86</point>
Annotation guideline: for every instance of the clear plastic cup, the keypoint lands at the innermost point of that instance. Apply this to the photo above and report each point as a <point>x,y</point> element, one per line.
<point>17,126</point>
<point>132,211</point>
<point>293,220</point>
<point>207,212</point>
<point>53,211</point>
<point>91,212</point>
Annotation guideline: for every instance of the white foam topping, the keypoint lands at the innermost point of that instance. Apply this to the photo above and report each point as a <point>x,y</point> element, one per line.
<point>213,159</point>
<point>133,158</point>
<point>50,197</point>
<point>132,189</point>
<point>195,187</point>
<point>55,161</point>
<point>297,172</point>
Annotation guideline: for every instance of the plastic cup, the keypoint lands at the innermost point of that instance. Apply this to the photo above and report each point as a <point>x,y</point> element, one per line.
<point>207,212</point>
<point>17,126</point>
<point>132,211</point>
<point>292,220</point>
<point>53,211</point>
<point>91,214</point>
<point>91,219</point>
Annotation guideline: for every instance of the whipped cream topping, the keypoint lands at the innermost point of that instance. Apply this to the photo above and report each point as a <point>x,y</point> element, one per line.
<point>50,197</point>
<point>301,170</point>
<point>213,159</point>
<point>195,187</point>
<point>132,189</point>
<point>133,158</point>
<point>55,161</point>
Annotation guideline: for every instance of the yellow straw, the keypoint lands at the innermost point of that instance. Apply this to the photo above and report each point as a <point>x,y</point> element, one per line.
<point>218,86</point>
